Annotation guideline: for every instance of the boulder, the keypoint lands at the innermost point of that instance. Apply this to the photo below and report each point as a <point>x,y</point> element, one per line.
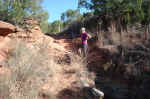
<point>6,28</point>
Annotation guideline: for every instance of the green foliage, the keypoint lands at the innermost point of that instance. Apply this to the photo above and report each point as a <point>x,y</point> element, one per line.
<point>146,11</point>
<point>70,16</point>
<point>130,11</point>
<point>118,14</point>
<point>55,27</point>
<point>15,11</point>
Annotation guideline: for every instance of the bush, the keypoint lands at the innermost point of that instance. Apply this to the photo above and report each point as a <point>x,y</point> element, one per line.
<point>30,69</point>
<point>78,66</point>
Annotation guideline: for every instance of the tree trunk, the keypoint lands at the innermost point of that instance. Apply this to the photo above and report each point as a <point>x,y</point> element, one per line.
<point>121,37</point>
<point>99,35</point>
<point>147,33</point>
<point>113,26</point>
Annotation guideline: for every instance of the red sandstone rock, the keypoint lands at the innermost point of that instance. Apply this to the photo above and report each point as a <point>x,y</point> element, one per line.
<point>6,28</point>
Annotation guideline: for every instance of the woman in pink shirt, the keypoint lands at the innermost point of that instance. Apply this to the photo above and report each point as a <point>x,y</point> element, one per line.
<point>84,38</point>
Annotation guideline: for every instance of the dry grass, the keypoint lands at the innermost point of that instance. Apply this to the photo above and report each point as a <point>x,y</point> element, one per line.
<point>30,69</point>
<point>78,66</point>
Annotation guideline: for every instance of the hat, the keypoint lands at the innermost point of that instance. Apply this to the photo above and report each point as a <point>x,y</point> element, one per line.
<point>83,28</point>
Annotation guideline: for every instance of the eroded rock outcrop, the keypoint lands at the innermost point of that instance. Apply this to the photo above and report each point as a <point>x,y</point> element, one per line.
<point>6,28</point>
<point>30,33</point>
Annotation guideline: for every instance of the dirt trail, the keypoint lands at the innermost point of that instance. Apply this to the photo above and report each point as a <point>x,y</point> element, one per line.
<point>61,80</point>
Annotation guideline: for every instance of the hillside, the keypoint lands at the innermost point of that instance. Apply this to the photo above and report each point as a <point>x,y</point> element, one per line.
<point>34,65</point>
<point>62,73</point>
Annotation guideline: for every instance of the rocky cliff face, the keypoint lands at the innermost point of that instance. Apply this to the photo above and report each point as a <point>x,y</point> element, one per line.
<point>30,33</point>
<point>33,37</point>
<point>5,30</point>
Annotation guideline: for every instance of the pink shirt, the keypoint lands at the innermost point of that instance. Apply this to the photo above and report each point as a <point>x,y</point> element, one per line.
<point>84,37</point>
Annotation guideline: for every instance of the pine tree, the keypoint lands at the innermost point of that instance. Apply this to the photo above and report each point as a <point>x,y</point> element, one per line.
<point>14,11</point>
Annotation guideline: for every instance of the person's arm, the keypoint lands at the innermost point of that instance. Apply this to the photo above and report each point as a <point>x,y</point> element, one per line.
<point>88,36</point>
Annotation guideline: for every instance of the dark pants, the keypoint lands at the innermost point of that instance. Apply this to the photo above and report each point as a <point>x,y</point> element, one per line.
<point>85,49</point>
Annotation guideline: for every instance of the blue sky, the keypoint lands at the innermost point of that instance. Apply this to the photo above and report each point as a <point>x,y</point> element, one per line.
<point>56,7</point>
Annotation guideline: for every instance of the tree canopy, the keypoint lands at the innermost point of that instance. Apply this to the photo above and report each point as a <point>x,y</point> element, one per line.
<point>14,11</point>
<point>55,27</point>
<point>120,11</point>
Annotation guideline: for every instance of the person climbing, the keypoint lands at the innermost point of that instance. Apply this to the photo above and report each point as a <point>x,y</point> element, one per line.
<point>84,38</point>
